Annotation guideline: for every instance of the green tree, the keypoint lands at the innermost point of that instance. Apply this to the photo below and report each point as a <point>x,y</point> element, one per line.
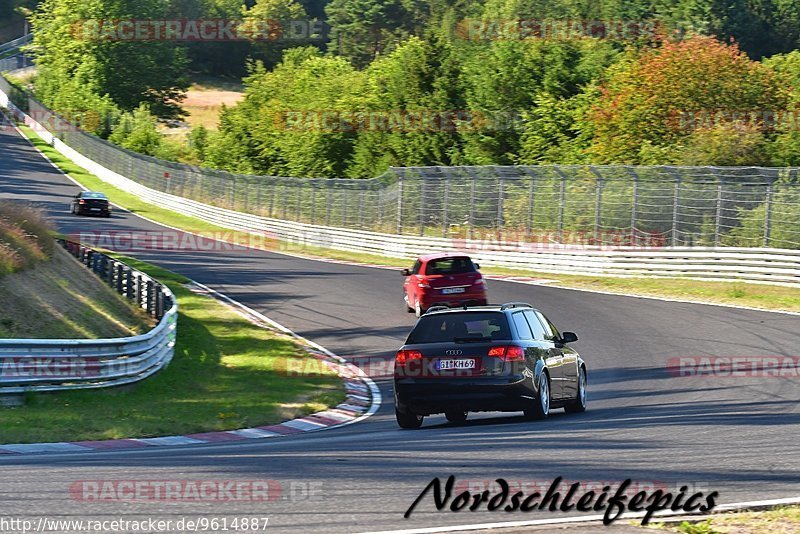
<point>75,63</point>
<point>647,96</point>
<point>138,131</point>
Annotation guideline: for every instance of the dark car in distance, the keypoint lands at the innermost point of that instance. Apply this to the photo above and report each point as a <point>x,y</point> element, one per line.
<point>444,279</point>
<point>90,203</point>
<point>486,358</point>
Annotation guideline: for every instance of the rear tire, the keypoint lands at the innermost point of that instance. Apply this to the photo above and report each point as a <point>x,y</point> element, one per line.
<point>455,416</point>
<point>418,311</point>
<point>540,407</point>
<point>579,404</point>
<point>409,309</point>
<point>408,419</point>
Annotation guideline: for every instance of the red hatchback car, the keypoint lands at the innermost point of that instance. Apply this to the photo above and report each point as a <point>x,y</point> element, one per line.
<point>443,280</point>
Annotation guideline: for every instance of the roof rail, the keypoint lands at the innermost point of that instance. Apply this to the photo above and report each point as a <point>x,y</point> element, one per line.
<point>508,305</point>
<point>436,308</point>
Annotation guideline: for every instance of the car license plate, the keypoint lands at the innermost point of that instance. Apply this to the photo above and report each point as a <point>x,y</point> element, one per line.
<point>451,290</point>
<point>443,365</point>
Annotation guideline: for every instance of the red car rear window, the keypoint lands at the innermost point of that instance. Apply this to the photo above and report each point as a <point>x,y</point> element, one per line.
<point>450,266</point>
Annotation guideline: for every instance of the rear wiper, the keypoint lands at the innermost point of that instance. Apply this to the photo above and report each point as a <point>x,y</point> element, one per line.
<point>471,339</point>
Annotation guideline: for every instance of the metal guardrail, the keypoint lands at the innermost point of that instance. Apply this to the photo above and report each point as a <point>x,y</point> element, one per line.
<point>18,59</point>
<point>16,43</point>
<point>650,257</point>
<point>56,364</point>
<point>15,62</point>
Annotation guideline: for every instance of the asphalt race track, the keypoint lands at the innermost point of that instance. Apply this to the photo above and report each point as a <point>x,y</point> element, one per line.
<point>738,436</point>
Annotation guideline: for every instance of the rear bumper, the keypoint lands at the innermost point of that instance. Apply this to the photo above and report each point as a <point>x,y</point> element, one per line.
<point>454,301</point>
<point>90,211</point>
<point>429,396</point>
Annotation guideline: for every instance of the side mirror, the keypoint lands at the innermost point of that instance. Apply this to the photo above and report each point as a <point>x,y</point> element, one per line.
<point>477,267</point>
<point>568,337</point>
<point>405,272</point>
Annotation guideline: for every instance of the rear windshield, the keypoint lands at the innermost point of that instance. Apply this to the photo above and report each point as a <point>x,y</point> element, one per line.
<point>450,266</point>
<point>460,327</point>
<point>92,194</point>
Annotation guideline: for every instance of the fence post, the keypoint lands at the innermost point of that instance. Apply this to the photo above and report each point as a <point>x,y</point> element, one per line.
<point>299,200</point>
<point>344,206</point>
<point>634,204</point>
<point>473,186</point>
<point>768,212</point>
<point>328,202</point>
<point>129,284</point>
<point>259,209</point>
<point>675,206</point>
<point>120,279</point>
<point>285,200</point>
<point>381,200</point>
<point>718,218</point>
<point>361,207</point>
<point>150,300</point>
<point>271,198</point>
<point>598,206</point>
<point>500,201</point>
<point>313,199</point>
<point>139,292</point>
<point>422,192</point>
<point>445,203</point>
<point>562,200</point>
<point>400,176</point>
<point>531,205</point>
<point>159,303</point>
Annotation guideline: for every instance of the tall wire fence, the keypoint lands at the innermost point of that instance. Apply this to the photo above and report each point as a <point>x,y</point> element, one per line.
<point>591,205</point>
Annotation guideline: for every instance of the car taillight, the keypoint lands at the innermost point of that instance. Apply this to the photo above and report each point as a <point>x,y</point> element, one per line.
<point>423,284</point>
<point>404,356</point>
<point>479,282</point>
<point>81,202</point>
<point>508,353</point>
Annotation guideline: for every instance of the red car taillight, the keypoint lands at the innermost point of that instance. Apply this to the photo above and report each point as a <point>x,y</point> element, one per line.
<point>404,356</point>
<point>508,353</point>
<point>81,202</point>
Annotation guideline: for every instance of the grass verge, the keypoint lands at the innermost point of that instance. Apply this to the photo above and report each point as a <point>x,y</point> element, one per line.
<point>227,373</point>
<point>779,521</point>
<point>736,293</point>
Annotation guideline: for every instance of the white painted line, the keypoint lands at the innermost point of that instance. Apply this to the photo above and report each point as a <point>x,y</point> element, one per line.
<point>303,424</point>
<point>26,448</point>
<point>170,440</point>
<point>254,433</point>
<point>588,518</point>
